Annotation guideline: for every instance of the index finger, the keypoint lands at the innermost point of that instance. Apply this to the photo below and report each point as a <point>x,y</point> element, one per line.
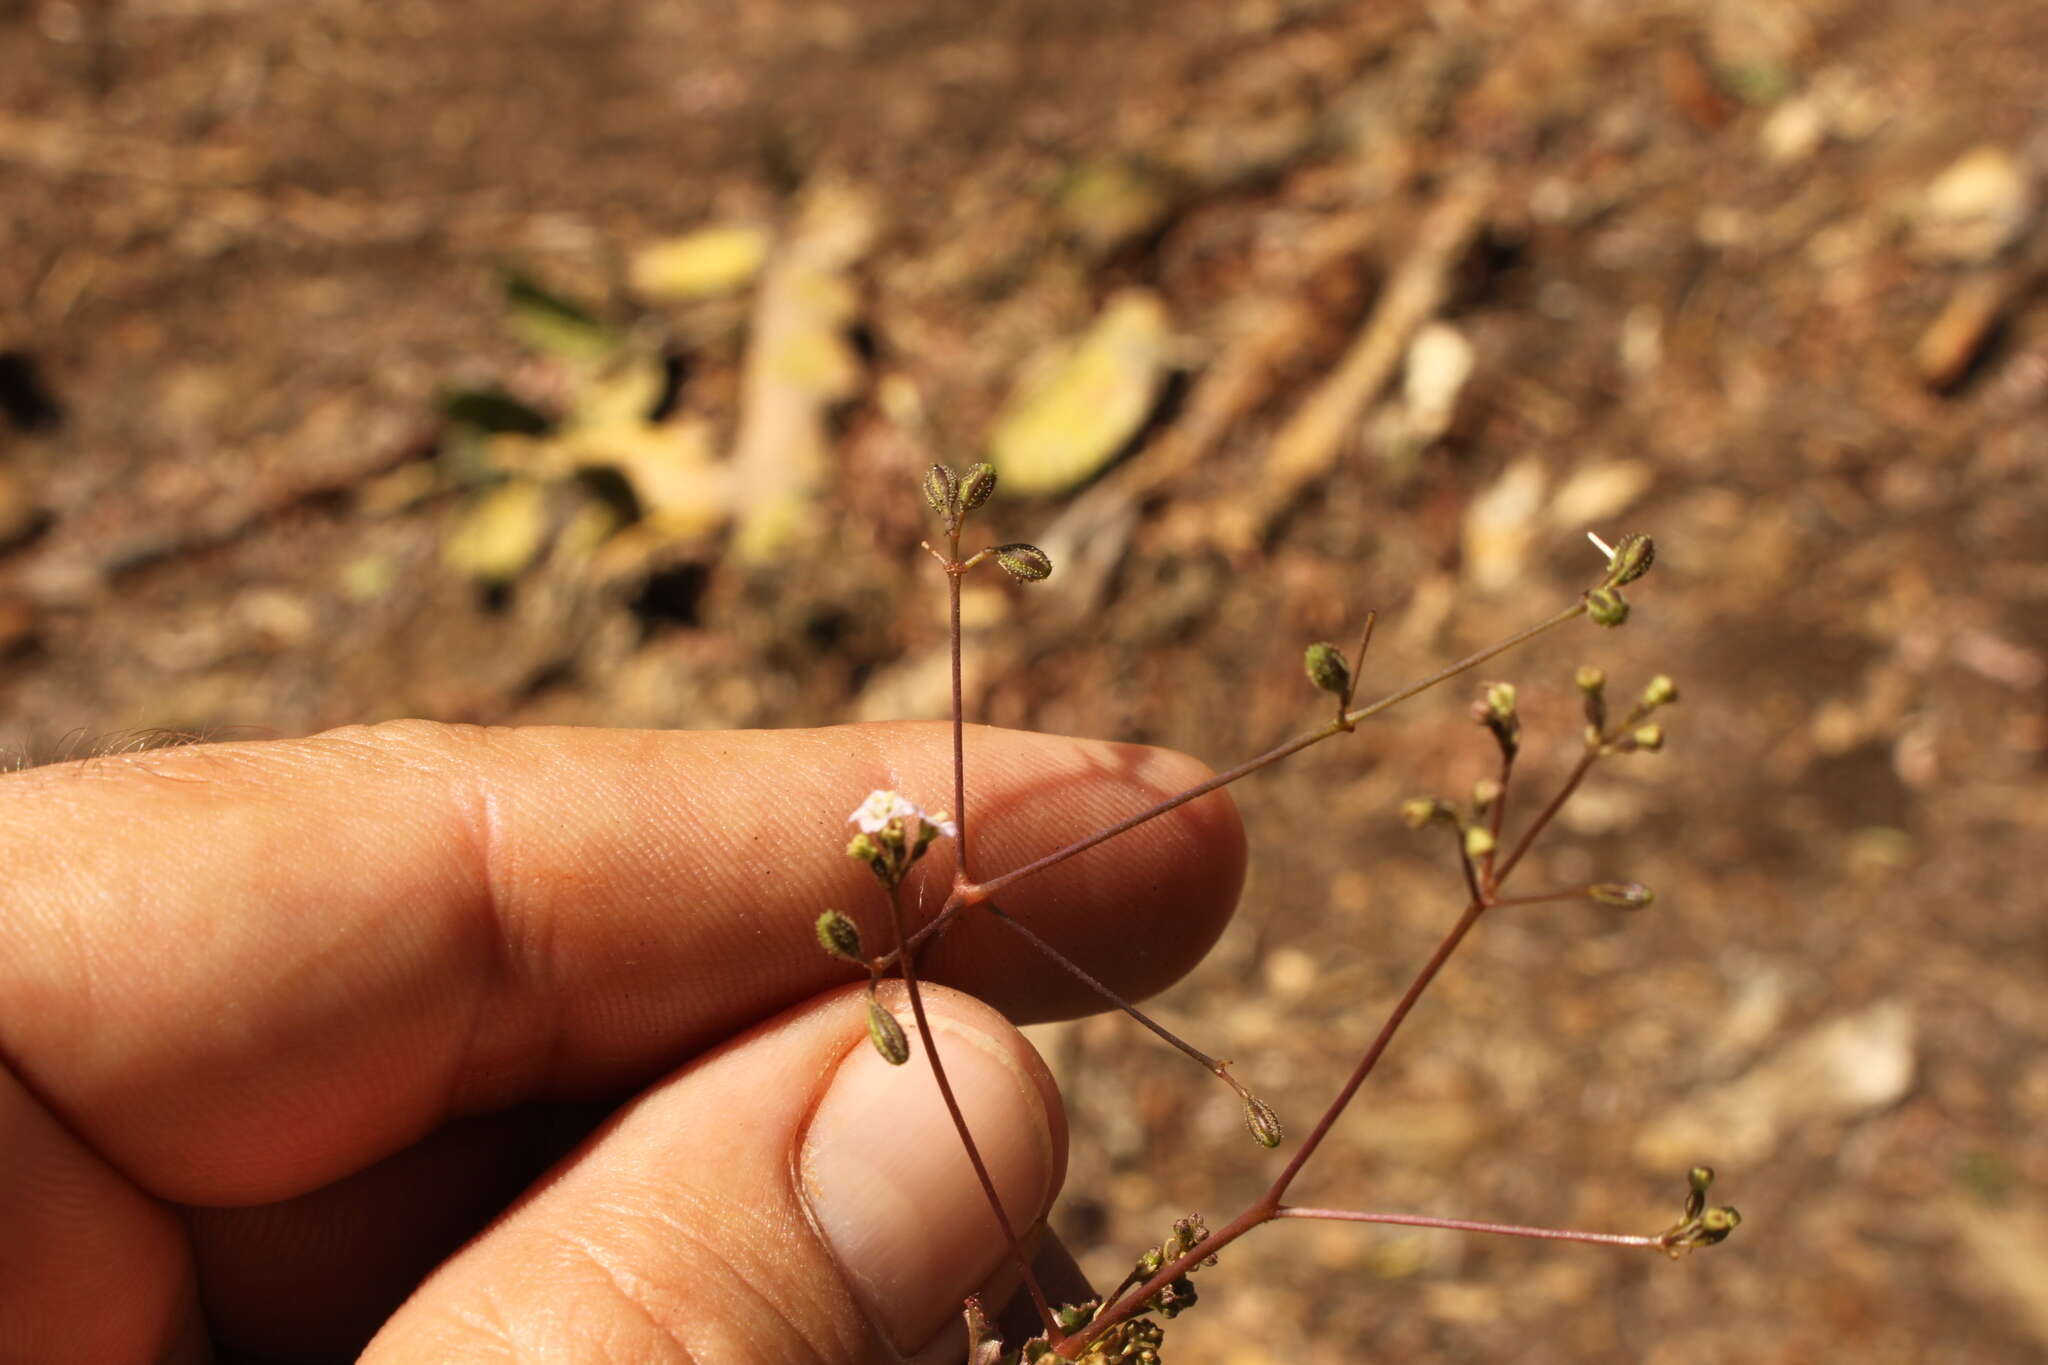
<point>241,971</point>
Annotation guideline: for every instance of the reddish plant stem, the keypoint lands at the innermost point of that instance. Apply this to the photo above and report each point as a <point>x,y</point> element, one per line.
<point>1548,813</point>
<point>953,572</point>
<point>1267,1206</point>
<point>1472,887</point>
<point>988,1184</point>
<point>966,892</point>
<point>1499,815</point>
<point>1357,667</point>
<point>1568,893</point>
<point>1410,1220</point>
<point>976,893</point>
<point>1366,1063</point>
<point>1081,974</point>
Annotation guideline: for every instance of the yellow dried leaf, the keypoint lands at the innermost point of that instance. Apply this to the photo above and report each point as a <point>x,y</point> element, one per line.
<point>500,533</point>
<point>699,265</point>
<point>1059,431</point>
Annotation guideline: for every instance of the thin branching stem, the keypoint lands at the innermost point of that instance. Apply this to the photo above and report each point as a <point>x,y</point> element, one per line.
<point>959,714</point>
<point>1481,880</point>
<point>988,1184</point>
<point>1372,1055</point>
<point>1081,974</point>
<point>1410,1220</point>
<point>1496,818</point>
<point>1357,667</point>
<point>976,893</point>
<point>1465,864</point>
<point>1268,1205</point>
<point>1568,893</point>
<point>1548,813</point>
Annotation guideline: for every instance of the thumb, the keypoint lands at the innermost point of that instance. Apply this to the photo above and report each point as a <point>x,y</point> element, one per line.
<point>789,1196</point>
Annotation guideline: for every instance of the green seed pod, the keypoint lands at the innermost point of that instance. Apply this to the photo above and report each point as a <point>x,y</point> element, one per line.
<point>1262,1121</point>
<point>1661,691</point>
<point>1632,559</point>
<point>1327,669</point>
<point>1625,895</point>
<point>840,937</point>
<point>977,487</point>
<point>887,1034</point>
<point>1606,606</point>
<point>1025,563</point>
<point>942,491</point>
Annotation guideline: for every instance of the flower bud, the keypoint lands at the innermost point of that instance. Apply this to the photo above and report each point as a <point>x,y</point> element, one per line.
<point>1699,1226</point>
<point>1327,669</point>
<point>1649,738</point>
<point>1661,691</point>
<point>1174,1299</point>
<point>1697,1180</point>
<point>1593,691</point>
<point>977,486</point>
<point>886,1034</point>
<point>1625,895</point>
<point>1262,1121</point>
<point>839,936</point>
<point>942,491</point>
<point>1718,1223</point>
<point>1420,811</point>
<point>1606,606</point>
<point>1478,841</point>
<point>1632,559</point>
<point>1495,709</point>
<point>1485,792</point>
<point>1025,563</point>
<point>929,828</point>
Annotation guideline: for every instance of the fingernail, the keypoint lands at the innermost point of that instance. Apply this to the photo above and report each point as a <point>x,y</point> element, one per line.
<point>892,1191</point>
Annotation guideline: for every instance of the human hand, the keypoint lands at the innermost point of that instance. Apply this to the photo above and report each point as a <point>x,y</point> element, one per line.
<point>517,1044</point>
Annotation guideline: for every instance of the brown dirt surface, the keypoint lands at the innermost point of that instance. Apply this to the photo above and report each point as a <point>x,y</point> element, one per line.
<point>1711,287</point>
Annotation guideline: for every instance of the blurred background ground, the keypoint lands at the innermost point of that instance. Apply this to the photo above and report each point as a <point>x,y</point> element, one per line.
<point>1390,303</point>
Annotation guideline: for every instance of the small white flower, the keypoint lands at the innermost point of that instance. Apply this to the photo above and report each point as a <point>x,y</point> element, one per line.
<point>879,809</point>
<point>882,807</point>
